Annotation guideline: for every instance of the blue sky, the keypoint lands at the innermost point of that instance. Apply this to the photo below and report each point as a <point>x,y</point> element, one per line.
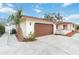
<point>69,11</point>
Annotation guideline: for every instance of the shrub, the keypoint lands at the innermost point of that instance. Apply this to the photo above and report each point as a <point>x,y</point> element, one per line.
<point>2,29</point>
<point>77,27</point>
<point>32,36</point>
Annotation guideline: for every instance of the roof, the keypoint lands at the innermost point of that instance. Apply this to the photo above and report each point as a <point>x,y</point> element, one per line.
<point>35,18</point>
<point>30,18</point>
<point>43,19</point>
<point>65,23</point>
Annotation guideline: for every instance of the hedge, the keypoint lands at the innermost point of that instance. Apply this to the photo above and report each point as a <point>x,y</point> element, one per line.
<point>2,29</point>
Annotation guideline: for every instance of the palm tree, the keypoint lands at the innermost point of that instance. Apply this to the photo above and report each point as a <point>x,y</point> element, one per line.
<point>16,17</point>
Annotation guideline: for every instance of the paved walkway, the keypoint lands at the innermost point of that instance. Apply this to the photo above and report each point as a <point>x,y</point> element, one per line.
<point>50,44</point>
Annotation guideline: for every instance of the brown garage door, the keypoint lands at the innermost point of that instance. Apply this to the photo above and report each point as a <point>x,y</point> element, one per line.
<point>43,29</point>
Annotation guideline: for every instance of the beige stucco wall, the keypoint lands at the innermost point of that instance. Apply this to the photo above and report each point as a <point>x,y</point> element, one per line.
<point>28,26</point>
<point>69,27</point>
<point>60,27</point>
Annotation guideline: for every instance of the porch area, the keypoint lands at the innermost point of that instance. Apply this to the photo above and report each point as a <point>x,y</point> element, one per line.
<point>67,29</point>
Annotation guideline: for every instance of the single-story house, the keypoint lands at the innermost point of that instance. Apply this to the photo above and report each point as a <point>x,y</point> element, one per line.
<point>41,26</point>
<point>38,26</point>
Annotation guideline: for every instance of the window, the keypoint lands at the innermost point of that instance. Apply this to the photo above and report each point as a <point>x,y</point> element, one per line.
<point>64,27</point>
<point>56,26</point>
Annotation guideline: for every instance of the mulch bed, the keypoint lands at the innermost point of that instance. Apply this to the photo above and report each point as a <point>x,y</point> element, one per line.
<point>25,39</point>
<point>28,40</point>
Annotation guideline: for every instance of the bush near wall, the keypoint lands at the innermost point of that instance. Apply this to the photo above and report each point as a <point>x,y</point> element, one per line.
<point>31,37</point>
<point>2,29</point>
<point>77,28</point>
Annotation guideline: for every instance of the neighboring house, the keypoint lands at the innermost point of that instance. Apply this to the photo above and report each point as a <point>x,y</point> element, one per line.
<point>41,26</point>
<point>65,27</point>
<point>9,27</point>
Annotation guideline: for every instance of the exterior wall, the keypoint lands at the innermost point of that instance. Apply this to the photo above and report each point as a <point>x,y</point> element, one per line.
<point>60,27</point>
<point>28,26</point>
<point>54,28</point>
<point>69,27</point>
<point>74,27</point>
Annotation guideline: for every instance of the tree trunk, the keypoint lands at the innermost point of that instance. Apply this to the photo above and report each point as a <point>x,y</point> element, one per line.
<point>19,33</point>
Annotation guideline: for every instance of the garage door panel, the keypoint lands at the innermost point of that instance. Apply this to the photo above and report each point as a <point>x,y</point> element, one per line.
<point>43,29</point>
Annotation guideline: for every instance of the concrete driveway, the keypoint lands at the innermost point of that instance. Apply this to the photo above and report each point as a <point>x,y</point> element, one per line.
<point>45,45</point>
<point>62,44</point>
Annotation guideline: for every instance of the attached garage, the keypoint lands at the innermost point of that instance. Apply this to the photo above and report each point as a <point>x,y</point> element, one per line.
<point>43,29</point>
<point>38,26</point>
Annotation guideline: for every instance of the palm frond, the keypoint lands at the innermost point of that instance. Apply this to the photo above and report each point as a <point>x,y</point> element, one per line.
<point>16,17</point>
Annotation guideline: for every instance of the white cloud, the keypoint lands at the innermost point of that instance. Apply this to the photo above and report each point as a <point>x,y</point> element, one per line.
<point>76,16</point>
<point>36,6</point>
<point>37,10</point>
<point>10,5</point>
<point>1,5</point>
<point>7,10</point>
<point>66,4</point>
<point>72,18</point>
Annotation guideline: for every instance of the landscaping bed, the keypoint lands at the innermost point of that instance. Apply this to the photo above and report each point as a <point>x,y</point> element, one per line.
<point>70,34</point>
<point>28,39</point>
